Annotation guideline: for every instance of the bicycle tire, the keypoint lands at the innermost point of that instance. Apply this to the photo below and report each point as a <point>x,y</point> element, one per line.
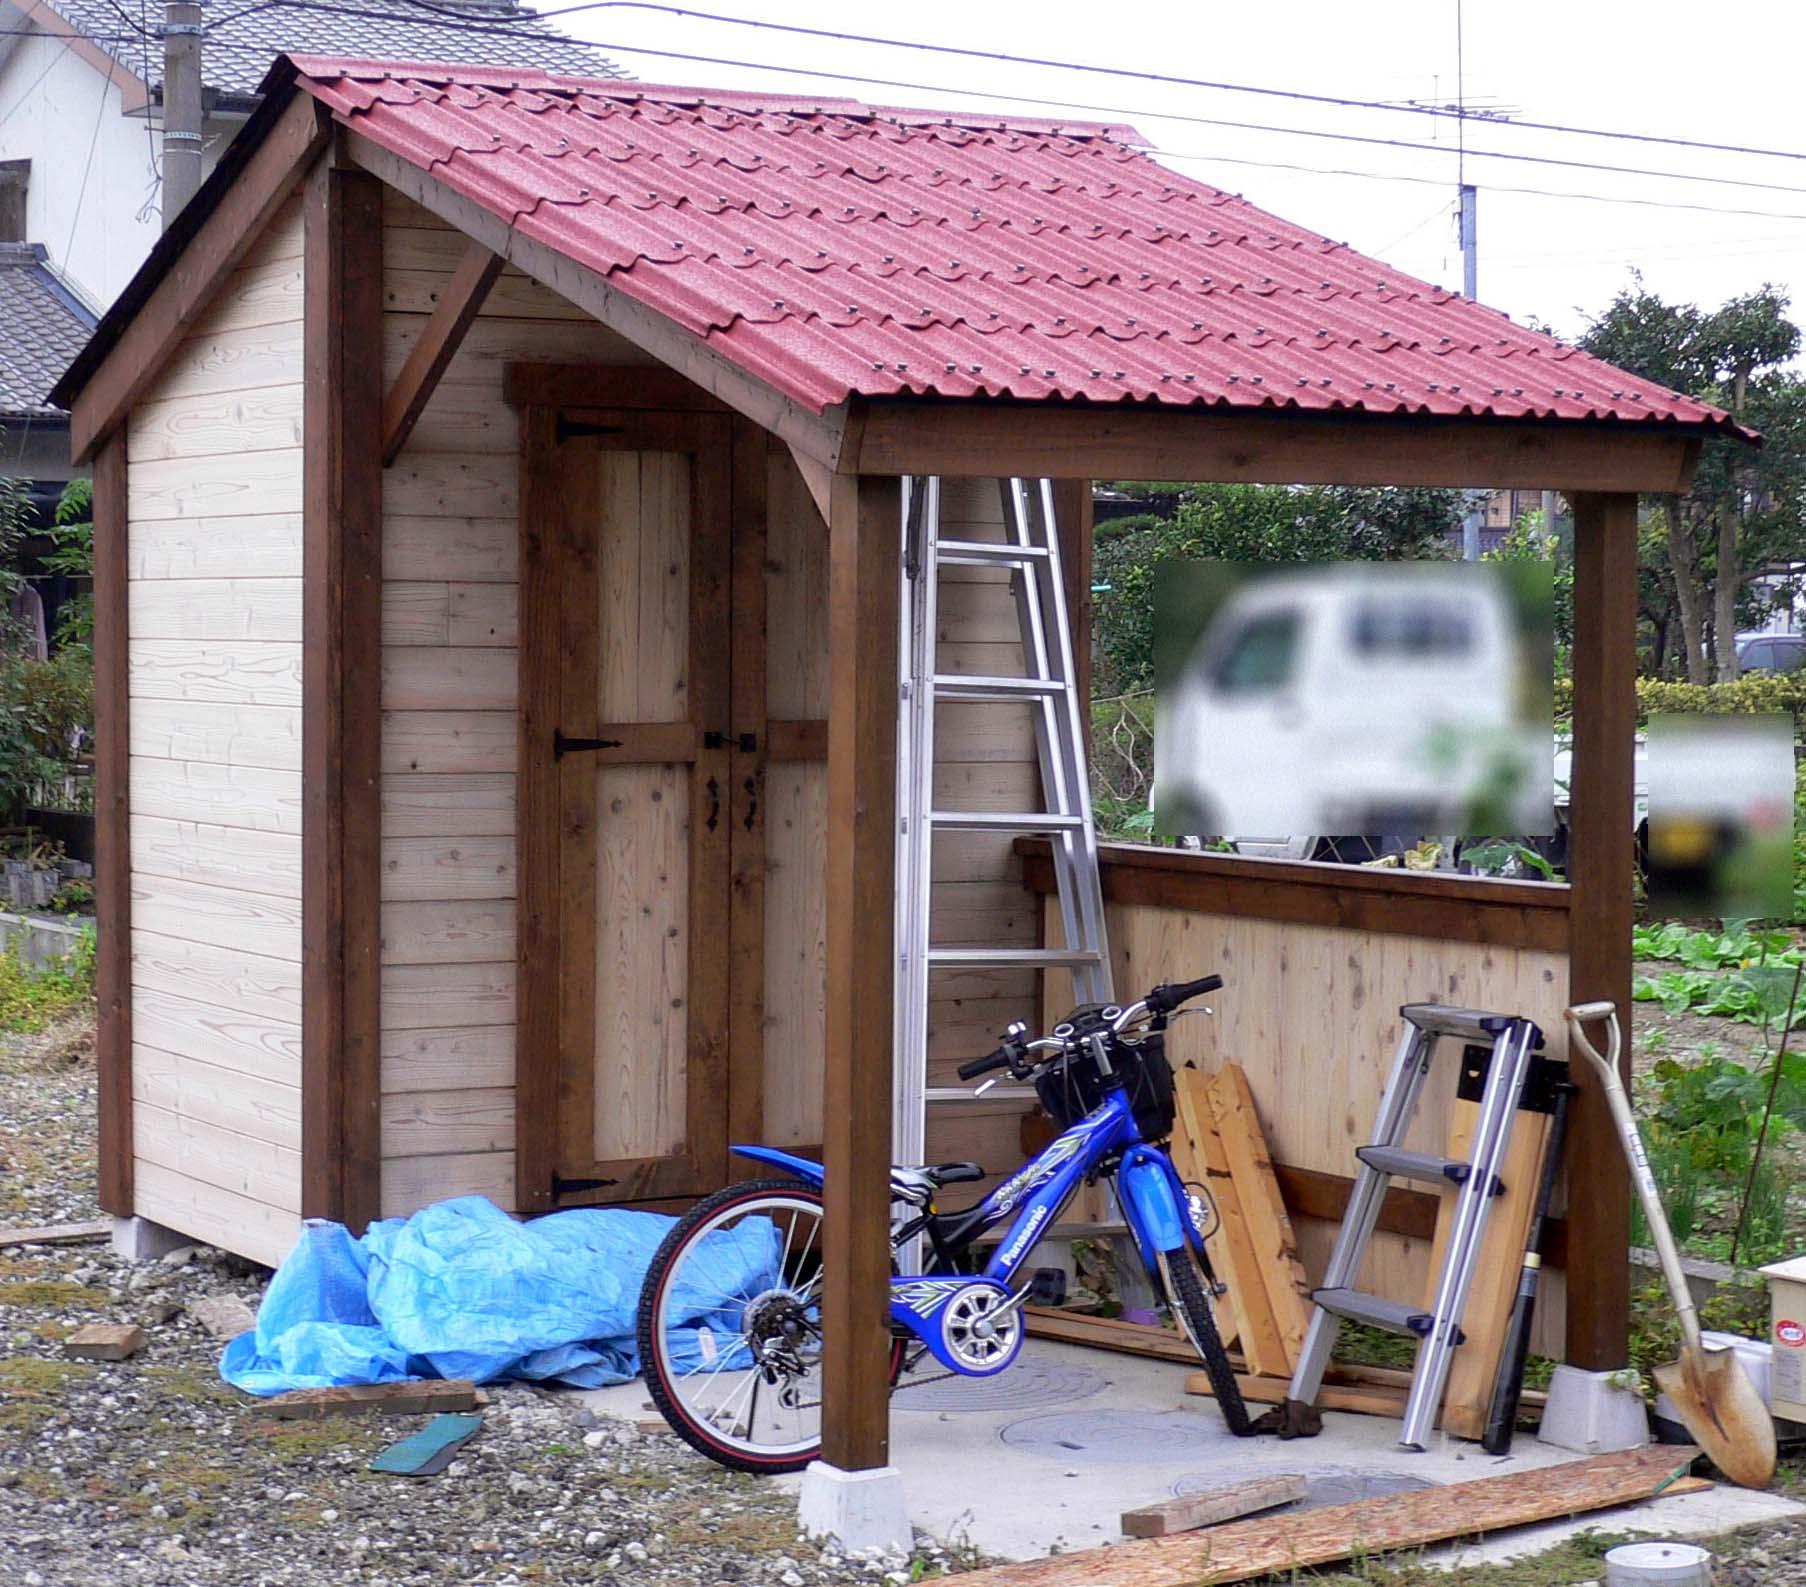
<point>1185,1290</point>
<point>653,1366</point>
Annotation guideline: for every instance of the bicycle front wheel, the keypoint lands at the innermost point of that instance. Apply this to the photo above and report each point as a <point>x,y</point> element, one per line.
<point>1187,1292</point>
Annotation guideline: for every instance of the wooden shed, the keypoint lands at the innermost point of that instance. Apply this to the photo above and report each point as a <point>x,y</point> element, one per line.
<point>498,543</point>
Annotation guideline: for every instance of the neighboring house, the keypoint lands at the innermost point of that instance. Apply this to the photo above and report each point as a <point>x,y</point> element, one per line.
<point>43,325</point>
<point>81,100</point>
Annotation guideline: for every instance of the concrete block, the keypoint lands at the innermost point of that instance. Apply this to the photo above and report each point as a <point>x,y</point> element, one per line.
<point>1594,1412</point>
<point>855,1509</point>
<point>140,1240</point>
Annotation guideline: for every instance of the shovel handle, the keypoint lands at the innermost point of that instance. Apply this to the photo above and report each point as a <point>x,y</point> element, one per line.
<point>1642,1176</point>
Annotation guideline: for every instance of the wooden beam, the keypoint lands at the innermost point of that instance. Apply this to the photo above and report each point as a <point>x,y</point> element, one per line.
<point>1257,447</point>
<point>341,728</point>
<point>187,287</point>
<point>817,477</point>
<point>112,829</point>
<point>690,355</point>
<point>1601,875</point>
<point>605,386</point>
<point>538,814</point>
<point>436,345</point>
<point>864,568</point>
<point>1452,908</point>
<point>1074,518</point>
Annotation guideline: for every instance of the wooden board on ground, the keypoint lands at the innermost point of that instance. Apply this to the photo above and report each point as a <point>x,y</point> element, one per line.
<point>365,1399</point>
<point>56,1234</point>
<point>1231,1245</point>
<point>1108,1333</point>
<point>1263,1210</point>
<point>1192,1510</point>
<point>104,1342</point>
<point>1487,1315</point>
<point>1359,1389</point>
<point>1257,1547</point>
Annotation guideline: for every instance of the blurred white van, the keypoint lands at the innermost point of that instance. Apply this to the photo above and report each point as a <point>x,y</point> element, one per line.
<point>1353,698</point>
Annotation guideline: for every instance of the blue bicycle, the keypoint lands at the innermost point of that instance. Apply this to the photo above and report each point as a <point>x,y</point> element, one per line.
<point>730,1318</point>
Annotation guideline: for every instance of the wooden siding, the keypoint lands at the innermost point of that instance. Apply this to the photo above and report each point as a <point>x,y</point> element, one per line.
<point>449,677</point>
<point>1310,1011</point>
<point>214,657</point>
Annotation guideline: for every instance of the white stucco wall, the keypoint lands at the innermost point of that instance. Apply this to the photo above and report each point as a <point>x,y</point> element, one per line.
<point>54,108</point>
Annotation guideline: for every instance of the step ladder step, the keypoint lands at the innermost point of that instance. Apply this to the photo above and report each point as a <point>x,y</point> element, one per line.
<point>1002,821</point>
<point>988,553</point>
<point>969,686</point>
<point>1425,1166</point>
<point>1013,958</point>
<point>1469,1023</point>
<point>1394,1316</point>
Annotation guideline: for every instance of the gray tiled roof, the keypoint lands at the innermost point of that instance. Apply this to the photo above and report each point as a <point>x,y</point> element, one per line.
<point>242,38</point>
<point>42,327</point>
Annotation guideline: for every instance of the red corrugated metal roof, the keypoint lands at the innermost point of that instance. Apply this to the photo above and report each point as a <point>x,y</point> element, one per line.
<point>834,250</point>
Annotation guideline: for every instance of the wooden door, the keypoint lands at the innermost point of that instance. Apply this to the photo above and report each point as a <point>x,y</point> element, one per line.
<point>640,760</point>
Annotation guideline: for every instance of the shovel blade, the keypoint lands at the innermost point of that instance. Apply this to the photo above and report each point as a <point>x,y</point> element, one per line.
<point>1720,1407</point>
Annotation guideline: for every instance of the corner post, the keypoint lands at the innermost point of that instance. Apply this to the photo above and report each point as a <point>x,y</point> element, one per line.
<point>341,730</point>
<point>1601,863</point>
<point>112,828</point>
<point>864,570</point>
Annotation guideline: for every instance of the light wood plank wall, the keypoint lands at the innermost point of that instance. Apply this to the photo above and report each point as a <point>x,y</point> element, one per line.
<point>214,626</point>
<point>450,552</point>
<point>1311,1013</point>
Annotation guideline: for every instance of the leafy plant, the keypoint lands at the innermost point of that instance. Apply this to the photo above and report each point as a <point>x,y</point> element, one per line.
<point>31,997</point>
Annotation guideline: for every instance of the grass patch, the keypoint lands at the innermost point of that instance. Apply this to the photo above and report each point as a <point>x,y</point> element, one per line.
<point>747,1532</point>
<point>48,1293</point>
<point>31,998</point>
<point>35,1377</point>
<point>190,1383</point>
<point>294,1441</point>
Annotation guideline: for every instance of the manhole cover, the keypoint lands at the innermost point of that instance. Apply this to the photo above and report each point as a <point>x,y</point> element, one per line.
<point>1029,1383</point>
<point>1109,1437</point>
<point>1324,1485</point>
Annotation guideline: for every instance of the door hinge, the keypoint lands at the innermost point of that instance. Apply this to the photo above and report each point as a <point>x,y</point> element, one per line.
<point>570,1187</point>
<point>746,743</point>
<point>562,746</point>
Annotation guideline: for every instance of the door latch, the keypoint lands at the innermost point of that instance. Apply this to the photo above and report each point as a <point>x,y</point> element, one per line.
<point>562,746</point>
<point>746,743</point>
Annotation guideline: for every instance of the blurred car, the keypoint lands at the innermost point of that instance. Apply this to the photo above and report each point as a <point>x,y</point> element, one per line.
<point>1771,652</point>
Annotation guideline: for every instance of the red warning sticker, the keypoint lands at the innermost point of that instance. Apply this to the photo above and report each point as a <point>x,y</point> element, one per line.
<point>1790,1332</point>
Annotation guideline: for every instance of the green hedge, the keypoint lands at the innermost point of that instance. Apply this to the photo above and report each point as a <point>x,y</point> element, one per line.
<point>1760,691</point>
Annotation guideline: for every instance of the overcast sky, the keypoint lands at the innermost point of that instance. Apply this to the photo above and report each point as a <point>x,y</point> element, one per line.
<point>1730,74</point>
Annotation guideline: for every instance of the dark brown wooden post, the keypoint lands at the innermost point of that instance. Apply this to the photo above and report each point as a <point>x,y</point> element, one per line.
<point>112,829</point>
<point>1601,859</point>
<point>341,713</point>
<point>1074,515</point>
<point>864,568</point>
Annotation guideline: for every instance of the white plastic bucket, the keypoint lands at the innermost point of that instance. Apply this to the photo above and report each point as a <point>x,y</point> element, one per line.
<point>1658,1565</point>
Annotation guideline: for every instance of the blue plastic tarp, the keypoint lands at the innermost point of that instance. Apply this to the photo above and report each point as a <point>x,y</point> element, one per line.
<point>462,1290</point>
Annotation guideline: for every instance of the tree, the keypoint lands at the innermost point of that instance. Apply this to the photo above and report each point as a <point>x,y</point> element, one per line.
<point>1247,523</point>
<point>1747,508</point>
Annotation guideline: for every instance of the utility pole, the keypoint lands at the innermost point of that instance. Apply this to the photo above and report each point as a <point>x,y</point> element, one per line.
<point>1470,254</point>
<point>181,106</point>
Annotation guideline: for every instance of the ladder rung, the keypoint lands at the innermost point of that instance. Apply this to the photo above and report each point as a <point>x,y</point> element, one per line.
<point>988,553</point>
<point>1471,1023</point>
<point>1013,958</point>
<point>1425,1166</point>
<point>1002,821</point>
<point>967,686</point>
<point>995,1094</point>
<point>1377,1312</point>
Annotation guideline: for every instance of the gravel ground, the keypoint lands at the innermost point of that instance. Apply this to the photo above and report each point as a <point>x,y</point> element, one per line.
<point>153,1473</point>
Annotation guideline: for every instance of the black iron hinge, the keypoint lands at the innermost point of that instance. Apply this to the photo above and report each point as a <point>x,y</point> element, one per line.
<point>746,743</point>
<point>562,746</point>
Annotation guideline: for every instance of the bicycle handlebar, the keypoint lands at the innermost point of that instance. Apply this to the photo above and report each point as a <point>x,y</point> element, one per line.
<point>1011,1053</point>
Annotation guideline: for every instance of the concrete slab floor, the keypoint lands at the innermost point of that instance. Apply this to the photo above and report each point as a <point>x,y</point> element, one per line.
<point>1024,1464</point>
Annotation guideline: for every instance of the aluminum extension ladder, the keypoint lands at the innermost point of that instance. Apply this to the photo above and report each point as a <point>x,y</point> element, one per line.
<point>1030,550</point>
<point>1514,1042</point>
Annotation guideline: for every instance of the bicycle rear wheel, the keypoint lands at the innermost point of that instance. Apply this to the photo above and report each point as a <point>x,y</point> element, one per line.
<point>730,1326</point>
<point>1187,1291</point>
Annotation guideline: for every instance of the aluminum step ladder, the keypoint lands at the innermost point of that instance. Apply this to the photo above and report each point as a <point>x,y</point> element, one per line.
<point>1514,1042</point>
<point>1030,551</point>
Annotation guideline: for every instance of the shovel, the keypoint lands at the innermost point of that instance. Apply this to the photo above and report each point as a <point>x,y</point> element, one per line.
<point>1717,1402</point>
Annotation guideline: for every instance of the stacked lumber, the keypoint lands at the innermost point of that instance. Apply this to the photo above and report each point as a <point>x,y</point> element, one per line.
<point>1219,1144</point>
